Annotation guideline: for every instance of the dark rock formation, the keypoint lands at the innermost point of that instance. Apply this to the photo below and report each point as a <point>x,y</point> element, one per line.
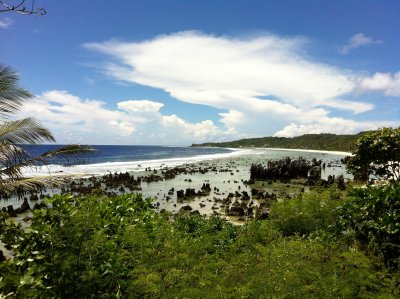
<point>206,187</point>
<point>186,208</point>
<point>235,211</point>
<point>282,169</point>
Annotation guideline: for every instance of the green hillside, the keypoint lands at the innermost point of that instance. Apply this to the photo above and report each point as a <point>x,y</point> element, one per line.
<point>329,142</point>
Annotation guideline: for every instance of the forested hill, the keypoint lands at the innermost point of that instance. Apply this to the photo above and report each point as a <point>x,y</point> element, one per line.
<point>328,142</point>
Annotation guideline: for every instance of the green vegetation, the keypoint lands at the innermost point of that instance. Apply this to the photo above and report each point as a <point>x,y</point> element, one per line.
<point>328,142</point>
<point>373,214</point>
<point>313,246</point>
<point>377,153</point>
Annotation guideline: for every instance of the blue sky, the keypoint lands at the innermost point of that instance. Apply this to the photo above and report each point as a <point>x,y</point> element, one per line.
<point>182,72</point>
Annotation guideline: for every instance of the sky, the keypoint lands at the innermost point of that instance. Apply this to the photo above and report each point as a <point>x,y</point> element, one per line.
<point>146,72</point>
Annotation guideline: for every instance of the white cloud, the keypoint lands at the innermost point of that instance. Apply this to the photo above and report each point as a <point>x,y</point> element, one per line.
<point>262,84</point>
<point>388,83</point>
<point>179,128</point>
<point>218,71</point>
<point>76,120</point>
<point>358,40</point>
<point>355,107</point>
<point>332,125</point>
<point>72,120</point>
<point>124,128</point>
<point>5,23</point>
<point>140,106</point>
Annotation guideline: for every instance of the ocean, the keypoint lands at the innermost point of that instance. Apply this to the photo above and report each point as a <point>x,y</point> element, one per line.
<point>231,168</point>
<point>130,153</point>
<point>116,158</point>
<point>137,158</point>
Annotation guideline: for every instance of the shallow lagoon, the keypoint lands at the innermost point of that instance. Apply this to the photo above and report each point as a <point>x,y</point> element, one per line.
<point>230,172</point>
<point>229,177</point>
<point>226,173</point>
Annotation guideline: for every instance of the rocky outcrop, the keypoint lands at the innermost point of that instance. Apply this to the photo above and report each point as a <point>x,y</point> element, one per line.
<point>186,208</point>
<point>283,169</point>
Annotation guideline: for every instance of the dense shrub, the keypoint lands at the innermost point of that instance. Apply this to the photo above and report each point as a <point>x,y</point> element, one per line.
<point>305,213</point>
<point>119,247</point>
<point>377,153</point>
<point>374,215</point>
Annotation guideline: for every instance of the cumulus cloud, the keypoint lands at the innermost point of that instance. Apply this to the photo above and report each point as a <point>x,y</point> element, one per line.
<point>261,84</point>
<point>358,40</point>
<point>140,106</point>
<point>388,83</point>
<point>5,23</point>
<point>334,125</point>
<point>72,119</point>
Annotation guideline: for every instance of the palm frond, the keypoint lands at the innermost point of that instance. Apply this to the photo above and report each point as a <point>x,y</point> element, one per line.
<point>12,96</point>
<point>10,156</point>
<point>22,186</point>
<point>17,158</point>
<point>27,130</point>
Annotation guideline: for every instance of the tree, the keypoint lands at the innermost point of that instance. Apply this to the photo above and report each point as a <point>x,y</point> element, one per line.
<point>15,133</point>
<point>21,8</point>
<point>377,153</point>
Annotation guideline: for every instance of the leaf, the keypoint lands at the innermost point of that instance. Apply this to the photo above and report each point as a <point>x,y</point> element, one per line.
<point>27,280</point>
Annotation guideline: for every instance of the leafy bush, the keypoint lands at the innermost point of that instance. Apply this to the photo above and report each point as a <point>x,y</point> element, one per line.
<point>119,247</point>
<point>376,153</point>
<point>306,213</point>
<point>374,215</point>
<point>75,240</point>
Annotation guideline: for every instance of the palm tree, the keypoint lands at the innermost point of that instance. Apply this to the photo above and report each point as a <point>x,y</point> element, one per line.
<point>15,133</point>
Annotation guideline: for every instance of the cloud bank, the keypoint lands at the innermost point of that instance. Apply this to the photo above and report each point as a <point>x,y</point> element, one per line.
<point>259,86</point>
<point>76,120</point>
<point>264,85</point>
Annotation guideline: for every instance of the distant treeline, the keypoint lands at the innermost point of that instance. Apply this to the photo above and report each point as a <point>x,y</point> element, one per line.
<point>328,142</point>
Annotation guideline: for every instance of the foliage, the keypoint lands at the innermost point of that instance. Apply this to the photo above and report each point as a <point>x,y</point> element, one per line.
<point>119,247</point>
<point>306,213</point>
<point>374,215</point>
<point>377,153</point>
<point>329,142</point>
<point>74,240</point>
<point>14,133</point>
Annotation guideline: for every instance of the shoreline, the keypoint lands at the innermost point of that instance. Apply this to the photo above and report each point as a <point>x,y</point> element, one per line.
<point>287,149</point>
<point>129,166</point>
<point>308,151</point>
<point>224,172</point>
<point>142,165</point>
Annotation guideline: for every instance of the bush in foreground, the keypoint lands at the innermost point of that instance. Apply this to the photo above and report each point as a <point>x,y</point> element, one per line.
<point>119,247</point>
<point>373,213</point>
